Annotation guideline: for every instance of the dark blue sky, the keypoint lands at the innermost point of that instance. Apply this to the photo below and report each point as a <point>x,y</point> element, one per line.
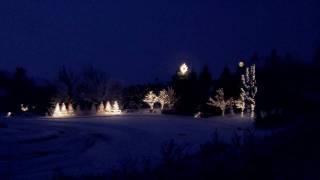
<point>136,41</point>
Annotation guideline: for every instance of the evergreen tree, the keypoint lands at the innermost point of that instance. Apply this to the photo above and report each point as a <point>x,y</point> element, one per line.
<point>205,84</point>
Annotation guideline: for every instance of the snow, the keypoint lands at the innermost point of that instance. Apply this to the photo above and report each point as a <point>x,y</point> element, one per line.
<point>37,148</point>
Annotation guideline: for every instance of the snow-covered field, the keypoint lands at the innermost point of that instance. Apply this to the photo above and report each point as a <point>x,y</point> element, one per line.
<point>36,148</point>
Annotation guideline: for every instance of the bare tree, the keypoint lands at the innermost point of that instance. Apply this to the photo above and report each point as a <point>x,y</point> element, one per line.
<point>150,99</point>
<point>167,97</point>
<point>163,98</point>
<point>219,101</point>
<point>94,85</point>
<point>240,103</point>
<point>67,82</point>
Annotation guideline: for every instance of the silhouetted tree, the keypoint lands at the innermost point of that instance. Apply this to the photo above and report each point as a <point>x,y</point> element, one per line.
<point>187,90</point>
<point>67,82</point>
<point>20,90</point>
<point>230,82</point>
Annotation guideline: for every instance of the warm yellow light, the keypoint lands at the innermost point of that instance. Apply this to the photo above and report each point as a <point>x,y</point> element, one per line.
<point>184,69</point>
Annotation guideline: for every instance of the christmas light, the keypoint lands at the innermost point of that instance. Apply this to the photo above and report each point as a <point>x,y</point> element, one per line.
<point>184,69</point>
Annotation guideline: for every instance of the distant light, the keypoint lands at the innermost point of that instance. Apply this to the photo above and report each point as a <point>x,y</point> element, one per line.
<point>24,108</point>
<point>241,64</point>
<point>184,69</point>
<point>9,114</point>
<point>197,115</point>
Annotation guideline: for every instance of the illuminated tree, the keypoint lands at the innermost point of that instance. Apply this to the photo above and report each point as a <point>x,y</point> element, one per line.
<point>108,108</point>
<point>163,98</point>
<point>101,108</point>
<point>70,109</point>
<point>249,86</point>
<point>116,108</point>
<point>167,97</point>
<point>56,111</point>
<point>171,97</point>
<point>64,109</point>
<point>150,99</point>
<point>240,103</point>
<point>219,101</point>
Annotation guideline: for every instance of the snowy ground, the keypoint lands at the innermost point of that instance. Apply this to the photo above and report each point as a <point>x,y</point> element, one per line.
<point>36,148</point>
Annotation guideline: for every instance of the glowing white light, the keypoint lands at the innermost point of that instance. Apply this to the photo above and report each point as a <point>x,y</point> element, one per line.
<point>197,115</point>
<point>184,69</point>
<point>108,108</point>
<point>9,114</point>
<point>116,108</point>
<point>241,64</point>
<point>24,108</point>
<point>56,112</point>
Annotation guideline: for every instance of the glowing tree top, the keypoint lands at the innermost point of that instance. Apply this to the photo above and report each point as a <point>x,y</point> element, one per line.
<point>183,69</point>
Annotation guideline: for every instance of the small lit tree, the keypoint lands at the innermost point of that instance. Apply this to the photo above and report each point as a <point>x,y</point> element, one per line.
<point>64,109</point>
<point>101,108</point>
<point>70,109</point>
<point>108,108</point>
<point>116,108</point>
<point>219,101</point>
<point>56,112</point>
<point>163,98</point>
<point>151,99</point>
<point>240,103</point>
<point>171,97</point>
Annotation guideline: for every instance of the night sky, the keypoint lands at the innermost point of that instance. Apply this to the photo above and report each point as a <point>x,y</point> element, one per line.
<point>137,41</point>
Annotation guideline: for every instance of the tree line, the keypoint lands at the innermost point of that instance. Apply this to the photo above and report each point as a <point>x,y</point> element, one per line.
<point>285,84</point>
